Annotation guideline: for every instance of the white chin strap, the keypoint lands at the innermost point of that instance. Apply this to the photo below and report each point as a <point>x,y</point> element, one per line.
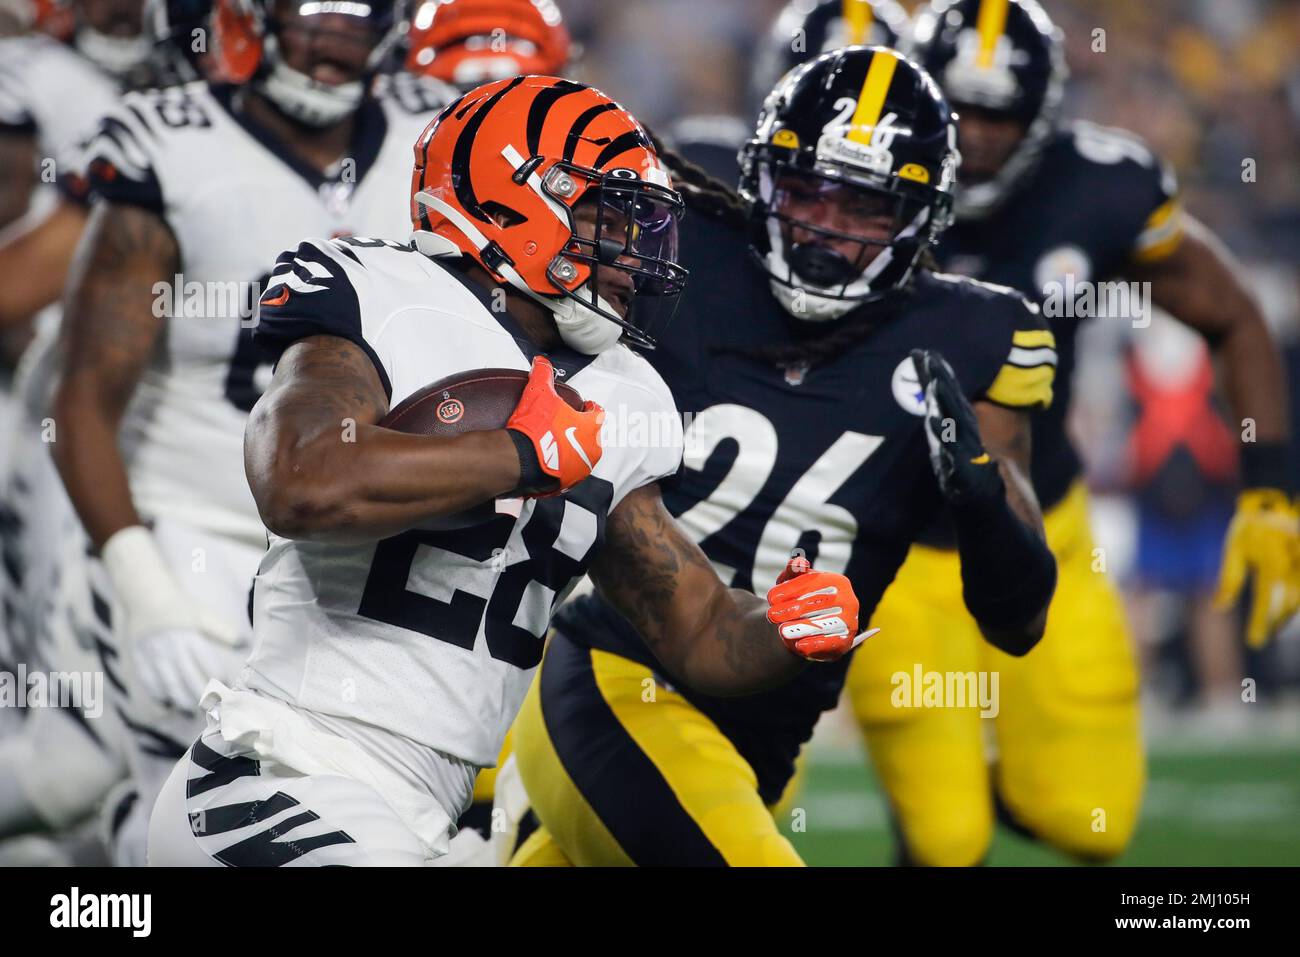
<point>117,55</point>
<point>580,326</point>
<point>308,101</point>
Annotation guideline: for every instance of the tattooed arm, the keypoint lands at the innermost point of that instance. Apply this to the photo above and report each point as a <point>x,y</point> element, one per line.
<point>109,333</point>
<point>322,470</point>
<point>717,640</point>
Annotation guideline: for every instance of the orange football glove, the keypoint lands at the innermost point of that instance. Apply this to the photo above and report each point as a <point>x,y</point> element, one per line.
<point>815,612</point>
<point>565,443</point>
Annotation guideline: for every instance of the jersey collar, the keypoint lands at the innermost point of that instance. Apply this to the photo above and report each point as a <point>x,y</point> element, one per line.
<point>368,131</point>
<point>568,362</point>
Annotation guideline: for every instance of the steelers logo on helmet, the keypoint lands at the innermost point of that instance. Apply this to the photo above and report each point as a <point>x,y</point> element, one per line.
<point>275,45</point>
<point>850,177</point>
<point>998,58</point>
<point>557,192</point>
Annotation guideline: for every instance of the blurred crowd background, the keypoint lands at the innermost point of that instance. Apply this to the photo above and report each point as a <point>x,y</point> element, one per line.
<point>1213,86</point>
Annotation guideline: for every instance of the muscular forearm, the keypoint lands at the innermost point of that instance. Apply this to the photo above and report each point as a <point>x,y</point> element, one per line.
<point>41,255</point>
<point>1200,285</point>
<point>1254,379</point>
<point>1008,573</point>
<point>736,650</point>
<point>328,488</point>
<point>715,640</point>
<point>89,462</point>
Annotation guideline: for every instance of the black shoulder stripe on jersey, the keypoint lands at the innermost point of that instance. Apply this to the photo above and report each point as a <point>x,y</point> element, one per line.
<point>17,126</point>
<point>309,294</point>
<point>118,167</point>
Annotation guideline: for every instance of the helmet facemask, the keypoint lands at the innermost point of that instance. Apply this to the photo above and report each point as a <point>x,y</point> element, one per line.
<point>831,237</point>
<point>633,234</point>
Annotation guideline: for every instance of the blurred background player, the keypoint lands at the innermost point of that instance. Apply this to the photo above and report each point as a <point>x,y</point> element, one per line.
<point>196,189</point>
<point>810,353</point>
<point>467,43</point>
<point>803,29</point>
<point>55,83</point>
<point>1044,206</point>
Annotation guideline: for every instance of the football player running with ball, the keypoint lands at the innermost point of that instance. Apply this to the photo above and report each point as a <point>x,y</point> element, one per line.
<point>392,648</point>
<point>842,393</point>
<point>1040,206</point>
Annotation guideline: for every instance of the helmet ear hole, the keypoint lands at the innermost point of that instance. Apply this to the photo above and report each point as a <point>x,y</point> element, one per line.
<point>503,215</point>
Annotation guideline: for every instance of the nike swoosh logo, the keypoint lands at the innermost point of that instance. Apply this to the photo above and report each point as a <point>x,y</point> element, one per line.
<point>577,446</point>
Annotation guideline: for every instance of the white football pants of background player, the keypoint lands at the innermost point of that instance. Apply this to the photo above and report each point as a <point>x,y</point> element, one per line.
<point>57,765</point>
<point>180,619</point>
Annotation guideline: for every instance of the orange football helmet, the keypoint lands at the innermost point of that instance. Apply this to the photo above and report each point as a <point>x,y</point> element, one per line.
<point>500,171</point>
<point>247,47</point>
<point>470,42</point>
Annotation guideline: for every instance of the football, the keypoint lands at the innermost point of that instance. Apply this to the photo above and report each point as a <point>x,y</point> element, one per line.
<point>471,401</point>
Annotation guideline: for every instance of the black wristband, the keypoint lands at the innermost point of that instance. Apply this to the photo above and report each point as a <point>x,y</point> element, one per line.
<point>531,477</point>
<point>1008,574</point>
<point>1268,465</point>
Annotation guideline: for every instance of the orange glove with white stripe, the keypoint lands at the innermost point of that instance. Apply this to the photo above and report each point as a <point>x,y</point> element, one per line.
<point>815,612</point>
<point>556,443</point>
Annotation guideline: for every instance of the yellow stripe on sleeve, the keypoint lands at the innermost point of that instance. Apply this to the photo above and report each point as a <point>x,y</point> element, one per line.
<point>1161,234</point>
<point>1022,388</point>
<point>872,98</point>
<point>1033,338</point>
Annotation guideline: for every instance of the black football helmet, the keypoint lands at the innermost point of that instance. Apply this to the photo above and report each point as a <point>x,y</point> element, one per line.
<point>1000,56</point>
<point>861,129</point>
<point>805,29</point>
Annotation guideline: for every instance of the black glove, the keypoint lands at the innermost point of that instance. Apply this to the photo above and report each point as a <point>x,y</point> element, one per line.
<point>965,472</point>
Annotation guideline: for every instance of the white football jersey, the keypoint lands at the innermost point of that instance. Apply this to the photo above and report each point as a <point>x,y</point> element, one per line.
<point>51,90</point>
<point>234,197</point>
<point>433,635</point>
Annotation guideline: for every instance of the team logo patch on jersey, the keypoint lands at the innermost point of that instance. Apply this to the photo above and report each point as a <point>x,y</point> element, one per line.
<point>450,410</point>
<point>1061,262</point>
<point>906,386</point>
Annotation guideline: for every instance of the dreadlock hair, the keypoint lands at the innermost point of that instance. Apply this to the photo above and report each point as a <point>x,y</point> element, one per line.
<point>705,194</point>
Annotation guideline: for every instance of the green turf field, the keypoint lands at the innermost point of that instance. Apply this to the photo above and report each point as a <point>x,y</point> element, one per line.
<point>1230,804</point>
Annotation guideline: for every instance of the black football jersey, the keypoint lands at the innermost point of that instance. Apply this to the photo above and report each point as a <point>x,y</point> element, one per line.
<point>831,459</point>
<point>1097,201</point>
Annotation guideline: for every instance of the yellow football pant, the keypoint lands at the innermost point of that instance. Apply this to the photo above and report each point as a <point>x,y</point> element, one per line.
<point>1070,766</point>
<point>621,771</point>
